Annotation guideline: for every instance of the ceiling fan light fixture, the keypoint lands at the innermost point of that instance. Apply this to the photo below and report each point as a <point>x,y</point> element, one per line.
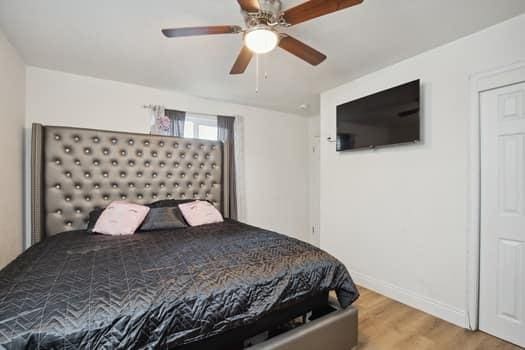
<point>261,40</point>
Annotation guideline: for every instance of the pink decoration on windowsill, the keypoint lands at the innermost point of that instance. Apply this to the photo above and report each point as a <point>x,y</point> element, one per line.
<point>164,124</point>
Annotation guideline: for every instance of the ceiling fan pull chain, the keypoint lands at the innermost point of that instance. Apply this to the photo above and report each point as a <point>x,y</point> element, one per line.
<point>264,67</point>
<point>257,73</point>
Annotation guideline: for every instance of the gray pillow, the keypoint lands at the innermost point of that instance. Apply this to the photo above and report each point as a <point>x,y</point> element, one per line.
<point>93,217</point>
<point>164,218</point>
<point>164,203</point>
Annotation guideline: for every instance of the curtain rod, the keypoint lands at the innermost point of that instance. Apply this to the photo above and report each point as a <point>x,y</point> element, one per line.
<point>150,106</point>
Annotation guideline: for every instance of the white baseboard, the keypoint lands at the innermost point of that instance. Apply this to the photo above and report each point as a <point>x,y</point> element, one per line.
<point>430,306</point>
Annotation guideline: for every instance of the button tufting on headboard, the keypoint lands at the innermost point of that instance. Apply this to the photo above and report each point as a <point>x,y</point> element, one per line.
<point>77,170</point>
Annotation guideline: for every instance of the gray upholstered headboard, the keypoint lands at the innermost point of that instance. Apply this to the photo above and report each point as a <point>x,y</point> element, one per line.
<point>76,170</point>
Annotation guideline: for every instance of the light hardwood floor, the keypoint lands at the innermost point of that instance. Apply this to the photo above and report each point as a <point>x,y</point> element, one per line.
<point>385,324</point>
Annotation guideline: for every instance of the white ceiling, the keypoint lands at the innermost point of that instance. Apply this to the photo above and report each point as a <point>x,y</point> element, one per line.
<point>121,40</point>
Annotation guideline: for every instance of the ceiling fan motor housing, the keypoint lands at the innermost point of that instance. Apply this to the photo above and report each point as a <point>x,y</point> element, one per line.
<point>270,14</point>
<point>273,6</point>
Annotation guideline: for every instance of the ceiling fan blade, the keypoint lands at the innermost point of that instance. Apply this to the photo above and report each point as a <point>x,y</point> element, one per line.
<point>193,31</point>
<point>249,5</point>
<point>316,8</point>
<point>301,50</point>
<point>242,62</point>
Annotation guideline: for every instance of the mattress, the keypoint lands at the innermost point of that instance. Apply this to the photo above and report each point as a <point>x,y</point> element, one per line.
<point>158,289</point>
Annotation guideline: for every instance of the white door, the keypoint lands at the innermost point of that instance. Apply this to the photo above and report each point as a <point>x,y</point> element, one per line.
<point>502,265</point>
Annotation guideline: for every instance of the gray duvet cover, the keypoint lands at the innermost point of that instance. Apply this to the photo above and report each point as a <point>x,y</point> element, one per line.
<point>158,289</point>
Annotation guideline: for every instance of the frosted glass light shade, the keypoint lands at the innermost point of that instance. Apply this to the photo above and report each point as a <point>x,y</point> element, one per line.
<point>261,40</point>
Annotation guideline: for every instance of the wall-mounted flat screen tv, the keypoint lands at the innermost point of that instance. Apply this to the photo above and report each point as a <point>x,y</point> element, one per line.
<point>385,118</point>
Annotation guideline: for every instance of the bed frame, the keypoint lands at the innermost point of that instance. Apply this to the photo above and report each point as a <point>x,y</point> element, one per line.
<point>74,171</point>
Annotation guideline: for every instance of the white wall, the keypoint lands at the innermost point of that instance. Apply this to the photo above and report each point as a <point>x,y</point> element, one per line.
<point>276,158</point>
<point>397,217</point>
<point>12,107</point>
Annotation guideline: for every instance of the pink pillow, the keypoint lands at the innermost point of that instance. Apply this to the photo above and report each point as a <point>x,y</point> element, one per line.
<point>121,218</point>
<point>200,213</point>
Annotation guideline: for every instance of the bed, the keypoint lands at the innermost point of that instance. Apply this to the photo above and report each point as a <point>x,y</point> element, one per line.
<point>216,286</point>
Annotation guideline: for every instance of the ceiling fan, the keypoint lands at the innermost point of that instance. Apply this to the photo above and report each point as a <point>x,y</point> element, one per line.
<point>263,20</point>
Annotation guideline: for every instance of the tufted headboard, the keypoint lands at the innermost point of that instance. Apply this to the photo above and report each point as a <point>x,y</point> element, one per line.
<point>76,170</point>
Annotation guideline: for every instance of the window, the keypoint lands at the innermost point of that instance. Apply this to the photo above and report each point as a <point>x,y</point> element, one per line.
<point>199,126</point>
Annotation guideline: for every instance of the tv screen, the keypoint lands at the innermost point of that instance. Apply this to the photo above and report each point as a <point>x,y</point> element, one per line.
<point>385,118</point>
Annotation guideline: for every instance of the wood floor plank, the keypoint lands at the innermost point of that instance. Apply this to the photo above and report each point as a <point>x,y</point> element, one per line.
<point>385,324</point>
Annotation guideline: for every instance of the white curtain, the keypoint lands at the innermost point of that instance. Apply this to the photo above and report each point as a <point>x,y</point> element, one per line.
<point>239,167</point>
<point>160,123</point>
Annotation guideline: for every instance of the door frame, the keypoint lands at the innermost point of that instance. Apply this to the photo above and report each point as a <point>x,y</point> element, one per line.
<point>315,224</point>
<point>480,82</point>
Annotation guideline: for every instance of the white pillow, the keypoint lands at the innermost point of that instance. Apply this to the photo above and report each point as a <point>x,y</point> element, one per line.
<point>200,213</point>
<point>121,218</point>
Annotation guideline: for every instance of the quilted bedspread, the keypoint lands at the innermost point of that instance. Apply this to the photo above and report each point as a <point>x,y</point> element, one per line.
<point>152,290</point>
